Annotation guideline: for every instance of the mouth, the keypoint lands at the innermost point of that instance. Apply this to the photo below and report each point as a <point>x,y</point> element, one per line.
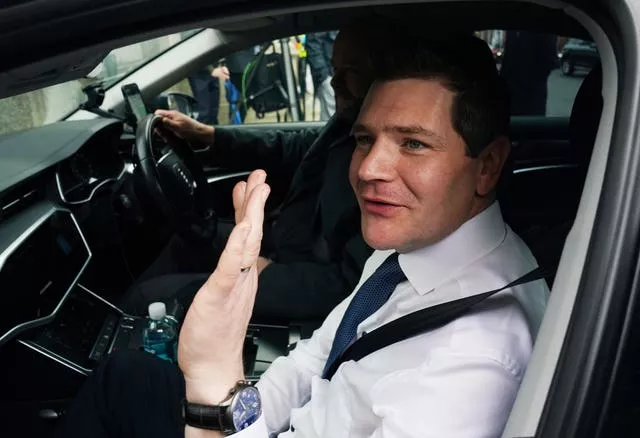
<point>379,207</point>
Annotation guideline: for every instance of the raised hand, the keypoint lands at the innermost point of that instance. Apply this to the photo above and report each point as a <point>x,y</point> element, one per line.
<point>212,335</point>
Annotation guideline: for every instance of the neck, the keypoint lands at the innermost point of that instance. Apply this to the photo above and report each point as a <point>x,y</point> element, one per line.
<point>481,203</point>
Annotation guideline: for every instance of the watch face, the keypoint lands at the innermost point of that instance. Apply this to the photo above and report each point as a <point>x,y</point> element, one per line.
<point>246,407</point>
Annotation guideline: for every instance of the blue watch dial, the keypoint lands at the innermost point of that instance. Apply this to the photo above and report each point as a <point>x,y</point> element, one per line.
<point>246,407</point>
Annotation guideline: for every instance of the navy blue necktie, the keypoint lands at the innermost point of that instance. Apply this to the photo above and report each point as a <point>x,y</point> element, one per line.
<point>369,298</point>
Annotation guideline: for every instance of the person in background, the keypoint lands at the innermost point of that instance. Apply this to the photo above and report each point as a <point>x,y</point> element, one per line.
<point>319,48</point>
<point>205,85</point>
<point>528,59</point>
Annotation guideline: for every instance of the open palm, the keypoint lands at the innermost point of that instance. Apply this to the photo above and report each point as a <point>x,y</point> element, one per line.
<point>214,328</point>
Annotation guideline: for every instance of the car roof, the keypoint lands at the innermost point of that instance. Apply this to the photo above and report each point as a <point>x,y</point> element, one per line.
<point>65,39</point>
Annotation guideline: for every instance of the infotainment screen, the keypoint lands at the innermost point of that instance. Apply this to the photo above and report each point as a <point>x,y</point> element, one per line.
<point>39,272</point>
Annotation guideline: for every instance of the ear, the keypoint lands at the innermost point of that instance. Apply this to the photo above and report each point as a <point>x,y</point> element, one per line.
<point>492,160</point>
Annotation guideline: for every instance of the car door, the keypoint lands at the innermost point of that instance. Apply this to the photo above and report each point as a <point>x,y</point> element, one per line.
<point>591,391</point>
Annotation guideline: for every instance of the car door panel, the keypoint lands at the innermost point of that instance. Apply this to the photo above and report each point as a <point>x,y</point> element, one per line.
<point>540,140</point>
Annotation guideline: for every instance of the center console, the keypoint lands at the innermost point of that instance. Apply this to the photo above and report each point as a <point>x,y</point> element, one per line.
<point>59,323</point>
<point>87,328</point>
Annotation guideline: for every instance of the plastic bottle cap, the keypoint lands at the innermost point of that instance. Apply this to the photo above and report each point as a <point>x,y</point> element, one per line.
<point>157,311</point>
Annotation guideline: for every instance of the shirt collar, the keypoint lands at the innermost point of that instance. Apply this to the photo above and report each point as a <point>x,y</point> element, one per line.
<point>429,267</point>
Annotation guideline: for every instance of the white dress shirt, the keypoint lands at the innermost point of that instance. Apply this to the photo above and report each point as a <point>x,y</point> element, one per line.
<point>459,380</point>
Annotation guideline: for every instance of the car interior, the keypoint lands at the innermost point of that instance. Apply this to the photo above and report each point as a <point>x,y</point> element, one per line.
<point>80,221</point>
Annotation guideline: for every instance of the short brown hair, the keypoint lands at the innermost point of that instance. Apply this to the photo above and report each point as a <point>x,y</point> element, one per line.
<point>464,64</point>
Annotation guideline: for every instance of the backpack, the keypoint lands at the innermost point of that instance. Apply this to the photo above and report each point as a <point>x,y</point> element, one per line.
<point>264,83</point>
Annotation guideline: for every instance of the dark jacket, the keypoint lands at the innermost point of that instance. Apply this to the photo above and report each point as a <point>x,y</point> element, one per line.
<point>318,251</point>
<point>319,47</point>
<point>528,59</point>
<point>238,61</point>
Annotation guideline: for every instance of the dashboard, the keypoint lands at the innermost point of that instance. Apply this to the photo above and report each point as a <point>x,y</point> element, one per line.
<point>42,254</point>
<point>89,169</point>
<point>50,212</point>
<point>77,228</point>
<point>26,154</point>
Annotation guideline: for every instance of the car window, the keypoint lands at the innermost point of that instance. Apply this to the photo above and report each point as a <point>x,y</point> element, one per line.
<point>543,71</point>
<point>51,104</point>
<point>285,80</point>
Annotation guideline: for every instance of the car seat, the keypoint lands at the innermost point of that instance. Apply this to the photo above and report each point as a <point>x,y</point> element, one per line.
<point>549,197</point>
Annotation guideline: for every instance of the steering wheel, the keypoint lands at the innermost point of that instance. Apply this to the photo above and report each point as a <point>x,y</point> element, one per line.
<point>175,180</point>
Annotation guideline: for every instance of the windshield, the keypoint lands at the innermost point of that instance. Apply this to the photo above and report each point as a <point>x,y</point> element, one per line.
<point>51,104</point>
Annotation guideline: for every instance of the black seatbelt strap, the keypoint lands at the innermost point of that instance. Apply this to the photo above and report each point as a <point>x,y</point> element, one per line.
<point>421,321</point>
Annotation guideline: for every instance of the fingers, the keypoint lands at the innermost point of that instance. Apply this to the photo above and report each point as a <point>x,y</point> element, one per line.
<point>221,72</point>
<point>170,118</point>
<point>238,195</point>
<point>254,215</point>
<point>174,116</point>
<point>170,114</point>
<point>243,247</point>
<point>241,194</point>
<point>170,123</point>
<point>179,124</point>
<point>173,127</point>
<point>232,259</point>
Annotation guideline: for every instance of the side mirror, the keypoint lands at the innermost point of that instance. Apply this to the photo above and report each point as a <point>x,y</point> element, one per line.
<point>180,102</point>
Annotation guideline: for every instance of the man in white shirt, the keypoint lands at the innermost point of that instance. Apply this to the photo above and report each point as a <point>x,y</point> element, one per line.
<point>431,144</point>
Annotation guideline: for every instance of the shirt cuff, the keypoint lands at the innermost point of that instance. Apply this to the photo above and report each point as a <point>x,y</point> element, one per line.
<point>256,430</point>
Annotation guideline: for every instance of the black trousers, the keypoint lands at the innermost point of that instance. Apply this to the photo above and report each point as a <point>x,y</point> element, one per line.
<point>131,394</point>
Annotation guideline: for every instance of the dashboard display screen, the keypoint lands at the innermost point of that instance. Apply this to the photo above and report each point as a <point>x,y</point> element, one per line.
<point>41,270</point>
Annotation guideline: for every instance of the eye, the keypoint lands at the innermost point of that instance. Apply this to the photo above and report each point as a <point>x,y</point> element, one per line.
<point>414,145</point>
<point>363,141</point>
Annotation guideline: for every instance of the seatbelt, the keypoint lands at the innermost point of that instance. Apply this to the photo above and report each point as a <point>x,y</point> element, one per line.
<point>421,321</point>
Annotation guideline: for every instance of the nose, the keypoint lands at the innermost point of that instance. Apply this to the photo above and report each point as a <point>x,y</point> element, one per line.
<point>379,163</point>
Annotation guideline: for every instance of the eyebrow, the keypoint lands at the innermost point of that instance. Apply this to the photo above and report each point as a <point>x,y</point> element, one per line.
<point>402,129</point>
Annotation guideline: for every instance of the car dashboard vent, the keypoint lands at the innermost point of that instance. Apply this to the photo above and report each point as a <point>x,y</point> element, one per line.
<point>18,200</point>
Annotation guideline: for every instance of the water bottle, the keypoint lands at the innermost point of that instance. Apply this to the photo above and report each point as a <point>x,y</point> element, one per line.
<point>160,335</point>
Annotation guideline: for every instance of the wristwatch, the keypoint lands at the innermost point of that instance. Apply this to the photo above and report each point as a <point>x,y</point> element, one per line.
<point>242,411</point>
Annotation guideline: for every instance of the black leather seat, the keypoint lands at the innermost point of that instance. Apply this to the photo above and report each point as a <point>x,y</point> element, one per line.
<point>546,200</point>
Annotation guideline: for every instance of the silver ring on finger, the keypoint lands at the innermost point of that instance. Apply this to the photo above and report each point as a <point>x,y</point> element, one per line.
<point>245,269</point>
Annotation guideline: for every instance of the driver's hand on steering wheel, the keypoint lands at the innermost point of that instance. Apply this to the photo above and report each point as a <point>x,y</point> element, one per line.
<point>185,127</point>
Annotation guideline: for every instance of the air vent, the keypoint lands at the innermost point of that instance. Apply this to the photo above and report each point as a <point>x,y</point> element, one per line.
<point>19,199</point>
